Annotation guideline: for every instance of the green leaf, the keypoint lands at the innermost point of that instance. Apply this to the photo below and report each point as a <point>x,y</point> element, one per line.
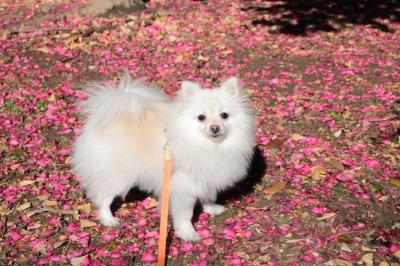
<point>16,153</point>
<point>3,148</point>
<point>377,186</point>
<point>15,109</point>
<point>335,116</point>
<point>41,105</point>
<point>9,104</point>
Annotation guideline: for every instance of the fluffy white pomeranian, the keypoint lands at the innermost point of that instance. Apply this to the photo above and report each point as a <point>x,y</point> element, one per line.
<point>211,134</point>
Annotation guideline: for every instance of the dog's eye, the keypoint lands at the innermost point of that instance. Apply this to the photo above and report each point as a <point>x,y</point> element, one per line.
<point>201,117</point>
<point>224,115</point>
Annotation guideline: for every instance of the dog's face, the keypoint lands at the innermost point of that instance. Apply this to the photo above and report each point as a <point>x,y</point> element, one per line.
<point>211,117</point>
<point>213,113</point>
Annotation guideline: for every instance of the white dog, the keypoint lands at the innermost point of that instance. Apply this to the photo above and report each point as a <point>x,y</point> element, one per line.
<point>211,134</point>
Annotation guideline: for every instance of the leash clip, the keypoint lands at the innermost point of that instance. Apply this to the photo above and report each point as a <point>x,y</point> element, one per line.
<point>167,152</point>
<point>166,143</point>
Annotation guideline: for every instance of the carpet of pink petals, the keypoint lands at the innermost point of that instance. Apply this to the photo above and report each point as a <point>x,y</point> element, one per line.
<point>324,104</point>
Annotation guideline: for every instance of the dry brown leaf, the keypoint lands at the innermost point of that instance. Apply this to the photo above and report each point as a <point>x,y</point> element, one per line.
<point>53,210</point>
<point>367,249</point>
<point>336,163</point>
<point>4,35</point>
<point>368,259</point>
<point>344,239</point>
<point>59,243</point>
<point>395,181</point>
<point>50,203</point>
<point>275,188</point>
<point>203,58</point>
<point>275,143</point>
<point>226,52</point>
<point>35,226</point>
<point>345,248</point>
<point>384,263</point>
<point>43,197</point>
<point>290,241</point>
<point>5,213</point>
<point>337,134</point>
<point>152,204</point>
<point>4,207</point>
<point>25,183</point>
<point>124,211</point>
<point>297,137</point>
<point>317,172</point>
<point>78,260</point>
<point>340,262</point>
<point>87,223</point>
<point>85,208</point>
<point>258,187</point>
<point>43,49</point>
<point>24,206</point>
<point>14,167</point>
<point>384,198</point>
<point>59,211</point>
<point>326,216</point>
<point>68,160</point>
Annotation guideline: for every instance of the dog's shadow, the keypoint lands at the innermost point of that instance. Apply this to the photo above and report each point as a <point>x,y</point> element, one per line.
<point>245,187</point>
<point>255,173</point>
<point>134,195</point>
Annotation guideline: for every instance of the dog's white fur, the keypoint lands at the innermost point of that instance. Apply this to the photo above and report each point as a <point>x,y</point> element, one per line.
<point>121,145</point>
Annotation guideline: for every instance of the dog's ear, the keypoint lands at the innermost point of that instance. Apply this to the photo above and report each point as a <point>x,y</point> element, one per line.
<point>232,86</point>
<point>188,89</point>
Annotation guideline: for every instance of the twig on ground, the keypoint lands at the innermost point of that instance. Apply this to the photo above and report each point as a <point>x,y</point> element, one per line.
<point>53,210</point>
<point>69,59</point>
<point>39,30</point>
<point>382,119</point>
<point>12,5</point>
<point>99,29</point>
<point>253,208</point>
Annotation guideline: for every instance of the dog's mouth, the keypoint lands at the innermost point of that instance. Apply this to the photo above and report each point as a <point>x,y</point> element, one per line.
<point>215,135</point>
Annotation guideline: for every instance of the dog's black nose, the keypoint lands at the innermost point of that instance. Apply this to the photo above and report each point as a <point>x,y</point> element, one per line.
<point>214,129</point>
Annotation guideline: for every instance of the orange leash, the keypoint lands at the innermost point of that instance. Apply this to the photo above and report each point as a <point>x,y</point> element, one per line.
<point>164,207</point>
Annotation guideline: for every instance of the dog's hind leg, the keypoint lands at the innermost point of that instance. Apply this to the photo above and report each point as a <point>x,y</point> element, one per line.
<point>105,215</point>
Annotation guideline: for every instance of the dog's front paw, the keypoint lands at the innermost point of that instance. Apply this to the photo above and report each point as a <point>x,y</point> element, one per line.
<point>213,209</point>
<point>188,234</point>
<point>109,221</point>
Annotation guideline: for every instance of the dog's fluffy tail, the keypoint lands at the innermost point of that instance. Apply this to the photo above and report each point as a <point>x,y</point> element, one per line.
<point>131,97</point>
